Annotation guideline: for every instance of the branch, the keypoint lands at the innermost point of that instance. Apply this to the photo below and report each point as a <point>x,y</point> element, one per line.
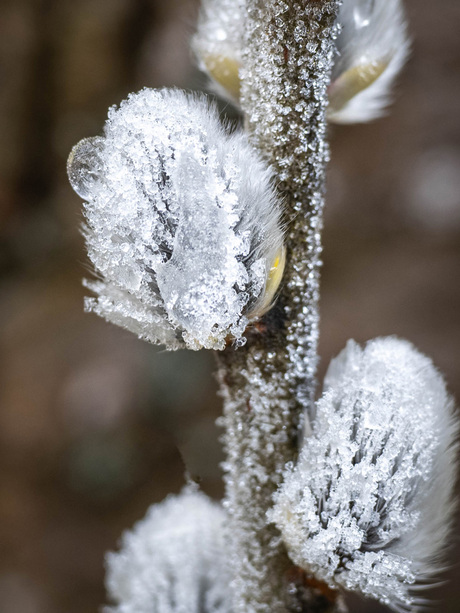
<point>268,384</point>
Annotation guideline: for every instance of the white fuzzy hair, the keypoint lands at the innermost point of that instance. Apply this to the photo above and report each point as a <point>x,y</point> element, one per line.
<point>373,33</point>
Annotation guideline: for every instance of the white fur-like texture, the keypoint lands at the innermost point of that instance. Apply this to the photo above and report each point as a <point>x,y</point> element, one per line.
<point>368,506</point>
<point>182,221</point>
<point>173,561</point>
<point>374,33</point>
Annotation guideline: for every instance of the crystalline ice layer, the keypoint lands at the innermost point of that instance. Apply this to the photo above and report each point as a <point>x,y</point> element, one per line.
<point>173,561</point>
<point>368,507</point>
<point>182,221</point>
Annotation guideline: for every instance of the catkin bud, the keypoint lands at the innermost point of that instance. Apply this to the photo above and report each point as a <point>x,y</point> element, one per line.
<point>182,222</point>
<point>371,50</point>
<point>218,44</point>
<point>368,507</point>
<point>173,561</point>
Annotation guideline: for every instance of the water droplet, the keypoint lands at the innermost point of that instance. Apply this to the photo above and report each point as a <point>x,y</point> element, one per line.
<point>85,164</point>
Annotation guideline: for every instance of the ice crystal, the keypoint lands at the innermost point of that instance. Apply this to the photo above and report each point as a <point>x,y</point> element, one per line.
<point>372,49</point>
<point>173,561</point>
<point>368,506</point>
<point>218,43</point>
<point>182,222</point>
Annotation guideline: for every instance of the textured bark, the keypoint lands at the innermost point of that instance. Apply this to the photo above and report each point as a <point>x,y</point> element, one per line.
<point>269,384</point>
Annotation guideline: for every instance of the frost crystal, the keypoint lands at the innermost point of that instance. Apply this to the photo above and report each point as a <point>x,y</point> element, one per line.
<point>368,506</point>
<point>174,560</point>
<point>372,49</point>
<point>182,222</point>
<point>218,43</point>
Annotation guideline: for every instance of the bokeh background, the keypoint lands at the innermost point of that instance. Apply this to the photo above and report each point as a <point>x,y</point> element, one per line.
<point>96,425</point>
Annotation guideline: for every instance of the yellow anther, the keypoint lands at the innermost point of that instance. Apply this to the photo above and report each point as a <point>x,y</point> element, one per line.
<point>352,82</point>
<point>273,282</point>
<point>224,70</point>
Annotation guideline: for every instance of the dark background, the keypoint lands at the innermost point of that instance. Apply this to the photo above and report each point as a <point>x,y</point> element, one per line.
<point>96,425</point>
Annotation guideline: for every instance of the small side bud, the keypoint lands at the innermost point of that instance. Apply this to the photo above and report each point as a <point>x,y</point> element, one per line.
<point>173,561</point>
<point>371,50</point>
<point>369,505</point>
<point>218,44</point>
<point>183,223</point>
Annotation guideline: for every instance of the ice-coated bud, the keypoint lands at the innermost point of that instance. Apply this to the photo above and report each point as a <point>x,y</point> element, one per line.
<point>173,561</point>
<point>182,222</point>
<point>369,504</point>
<point>218,43</point>
<point>371,50</point>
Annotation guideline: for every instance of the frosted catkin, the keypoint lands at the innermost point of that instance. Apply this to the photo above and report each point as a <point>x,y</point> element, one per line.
<point>183,224</point>
<point>172,561</point>
<point>368,506</point>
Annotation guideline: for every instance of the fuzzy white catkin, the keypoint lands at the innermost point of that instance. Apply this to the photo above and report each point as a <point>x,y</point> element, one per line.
<point>371,50</point>
<point>368,506</point>
<point>182,222</point>
<point>173,561</point>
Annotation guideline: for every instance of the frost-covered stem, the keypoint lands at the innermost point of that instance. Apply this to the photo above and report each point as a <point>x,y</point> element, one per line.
<point>268,383</point>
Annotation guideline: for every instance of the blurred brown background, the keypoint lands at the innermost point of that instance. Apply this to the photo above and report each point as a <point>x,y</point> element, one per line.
<point>96,425</point>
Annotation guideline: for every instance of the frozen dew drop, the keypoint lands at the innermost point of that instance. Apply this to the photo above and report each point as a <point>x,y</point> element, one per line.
<point>84,165</point>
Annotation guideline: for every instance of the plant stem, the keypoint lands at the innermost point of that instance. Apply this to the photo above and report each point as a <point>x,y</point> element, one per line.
<point>269,383</point>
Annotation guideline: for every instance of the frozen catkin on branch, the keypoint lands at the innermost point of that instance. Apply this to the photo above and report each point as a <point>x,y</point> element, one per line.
<point>182,222</point>
<point>173,561</point>
<point>368,506</point>
<point>371,50</point>
<point>266,385</point>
